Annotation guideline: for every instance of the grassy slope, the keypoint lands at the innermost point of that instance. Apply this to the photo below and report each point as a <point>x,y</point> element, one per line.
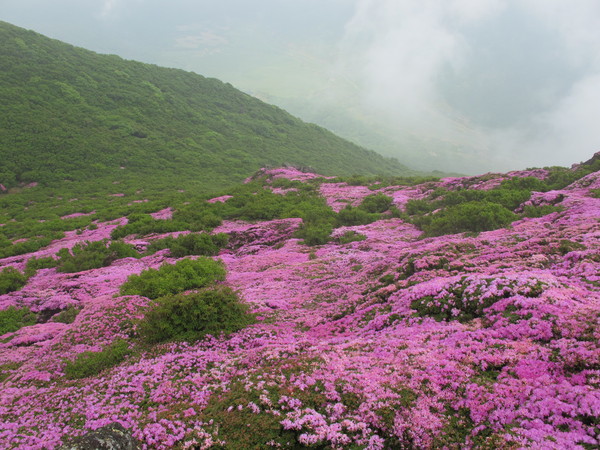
<point>71,114</point>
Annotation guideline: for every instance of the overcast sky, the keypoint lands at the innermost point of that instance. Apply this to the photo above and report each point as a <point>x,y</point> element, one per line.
<point>515,81</point>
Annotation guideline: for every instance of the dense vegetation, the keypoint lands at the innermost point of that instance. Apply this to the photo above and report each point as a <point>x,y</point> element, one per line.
<point>190,317</point>
<point>71,114</point>
<point>91,255</point>
<point>109,137</point>
<point>290,379</point>
<point>11,280</point>
<point>191,244</point>
<point>91,363</point>
<point>174,278</point>
<point>454,211</point>
<point>11,319</point>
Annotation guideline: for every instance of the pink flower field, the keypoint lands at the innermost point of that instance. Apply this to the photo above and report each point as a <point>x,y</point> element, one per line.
<point>486,340</point>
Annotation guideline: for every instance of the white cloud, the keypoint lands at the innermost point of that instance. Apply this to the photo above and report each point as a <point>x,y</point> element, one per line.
<point>397,50</point>
<point>203,39</point>
<point>566,134</point>
<point>108,7</point>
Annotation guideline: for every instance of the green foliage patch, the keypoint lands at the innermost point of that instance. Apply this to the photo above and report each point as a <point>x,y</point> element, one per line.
<point>566,246</point>
<point>463,302</point>
<point>35,264</point>
<point>12,319</point>
<point>191,244</point>
<point>174,278</point>
<point>11,280</point>
<point>471,210</point>
<point>67,315</point>
<point>92,255</point>
<point>88,364</point>
<point>472,216</point>
<point>75,115</point>
<point>242,428</point>
<point>350,216</point>
<point>189,317</point>
<point>144,224</point>
<point>540,211</point>
<point>376,203</point>
<point>350,236</point>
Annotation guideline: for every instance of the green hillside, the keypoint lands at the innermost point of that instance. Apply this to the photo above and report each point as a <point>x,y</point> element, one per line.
<point>71,114</point>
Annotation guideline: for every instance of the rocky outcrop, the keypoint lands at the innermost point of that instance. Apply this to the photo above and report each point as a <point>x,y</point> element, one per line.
<point>110,437</point>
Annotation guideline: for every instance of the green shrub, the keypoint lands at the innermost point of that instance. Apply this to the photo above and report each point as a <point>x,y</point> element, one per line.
<point>91,363</point>
<point>191,244</point>
<point>567,246</point>
<point>419,206</point>
<point>11,319</point>
<point>174,278</point>
<point>376,203</point>
<point>198,216</point>
<point>540,211</point>
<point>510,199</point>
<point>314,233</point>
<point>396,213</point>
<point>31,245</point>
<point>470,216</point>
<point>350,236</point>
<point>34,264</point>
<point>144,224</point>
<point>524,183</point>
<point>11,280</point>
<point>92,255</point>
<point>190,317</point>
<point>351,216</point>
<point>67,315</point>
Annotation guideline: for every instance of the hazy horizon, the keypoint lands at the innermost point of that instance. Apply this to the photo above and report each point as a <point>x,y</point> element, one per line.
<point>482,84</point>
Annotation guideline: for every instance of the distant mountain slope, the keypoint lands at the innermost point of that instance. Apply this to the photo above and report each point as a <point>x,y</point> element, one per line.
<point>71,114</point>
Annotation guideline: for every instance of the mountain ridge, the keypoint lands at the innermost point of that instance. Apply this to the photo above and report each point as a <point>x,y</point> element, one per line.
<point>72,114</point>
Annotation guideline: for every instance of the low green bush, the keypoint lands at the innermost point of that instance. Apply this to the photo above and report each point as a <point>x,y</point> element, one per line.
<point>540,211</point>
<point>92,363</point>
<point>144,224</point>
<point>376,203</point>
<point>314,233</point>
<point>92,255</point>
<point>351,216</point>
<point>471,216</point>
<point>11,280</point>
<point>191,244</point>
<point>350,236</point>
<point>11,319</point>
<point>567,246</point>
<point>31,245</point>
<point>34,264</point>
<point>67,315</point>
<point>419,206</point>
<point>190,317</point>
<point>174,278</point>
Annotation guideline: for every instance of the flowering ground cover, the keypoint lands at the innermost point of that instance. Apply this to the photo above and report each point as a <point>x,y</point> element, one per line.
<point>485,340</point>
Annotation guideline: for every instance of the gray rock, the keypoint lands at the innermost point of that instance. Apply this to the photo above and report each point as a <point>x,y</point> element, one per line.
<point>110,437</point>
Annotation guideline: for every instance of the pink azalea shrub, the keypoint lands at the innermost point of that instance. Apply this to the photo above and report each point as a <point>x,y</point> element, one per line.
<point>391,341</point>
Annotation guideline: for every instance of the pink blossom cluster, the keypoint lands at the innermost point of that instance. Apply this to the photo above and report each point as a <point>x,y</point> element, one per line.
<point>290,173</point>
<point>221,199</point>
<point>339,355</point>
<point>163,214</point>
